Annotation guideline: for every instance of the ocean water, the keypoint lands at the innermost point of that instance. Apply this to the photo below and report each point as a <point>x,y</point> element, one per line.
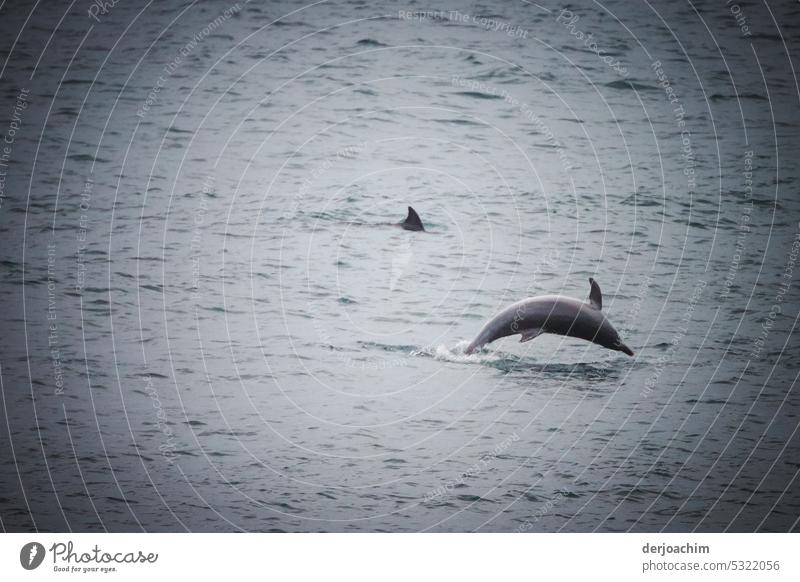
<point>212,322</point>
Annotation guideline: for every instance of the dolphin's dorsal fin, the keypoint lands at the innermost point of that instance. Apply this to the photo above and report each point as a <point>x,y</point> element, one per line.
<point>412,221</point>
<point>595,296</point>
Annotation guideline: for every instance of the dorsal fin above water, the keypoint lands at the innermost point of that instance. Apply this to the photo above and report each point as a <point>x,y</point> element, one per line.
<point>412,221</point>
<point>595,296</point>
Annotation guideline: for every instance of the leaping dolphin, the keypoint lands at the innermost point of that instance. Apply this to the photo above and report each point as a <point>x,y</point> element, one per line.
<point>412,221</point>
<point>534,316</point>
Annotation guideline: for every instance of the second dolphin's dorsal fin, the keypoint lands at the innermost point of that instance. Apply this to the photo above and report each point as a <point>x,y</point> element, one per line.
<point>595,296</point>
<point>412,221</point>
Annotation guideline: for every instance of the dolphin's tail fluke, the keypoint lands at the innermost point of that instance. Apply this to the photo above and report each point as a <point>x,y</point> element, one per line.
<point>412,221</point>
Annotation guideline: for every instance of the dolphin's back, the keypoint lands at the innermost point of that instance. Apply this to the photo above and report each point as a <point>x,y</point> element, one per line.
<point>564,316</point>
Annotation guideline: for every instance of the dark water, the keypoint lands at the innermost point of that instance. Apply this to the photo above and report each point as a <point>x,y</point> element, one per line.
<point>209,322</point>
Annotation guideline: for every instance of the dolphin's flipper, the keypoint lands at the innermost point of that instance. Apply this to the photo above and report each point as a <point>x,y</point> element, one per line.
<point>595,296</point>
<point>530,334</point>
<point>412,221</point>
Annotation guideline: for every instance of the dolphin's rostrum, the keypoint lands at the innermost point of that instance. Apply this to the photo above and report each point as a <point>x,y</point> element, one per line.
<point>412,221</point>
<point>534,316</point>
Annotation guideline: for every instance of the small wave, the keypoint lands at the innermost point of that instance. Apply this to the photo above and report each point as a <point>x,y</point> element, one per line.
<point>499,73</point>
<point>87,158</point>
<point>328,216</point>
<point>620,84</point>
<point>642,200</point>
<point>754,96</point>
<point>472,498</point>
<point>478,95</point>
<point>457,121</point>
<point>289,23</point>
<point>388,347</point>
<point>121,500</point>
